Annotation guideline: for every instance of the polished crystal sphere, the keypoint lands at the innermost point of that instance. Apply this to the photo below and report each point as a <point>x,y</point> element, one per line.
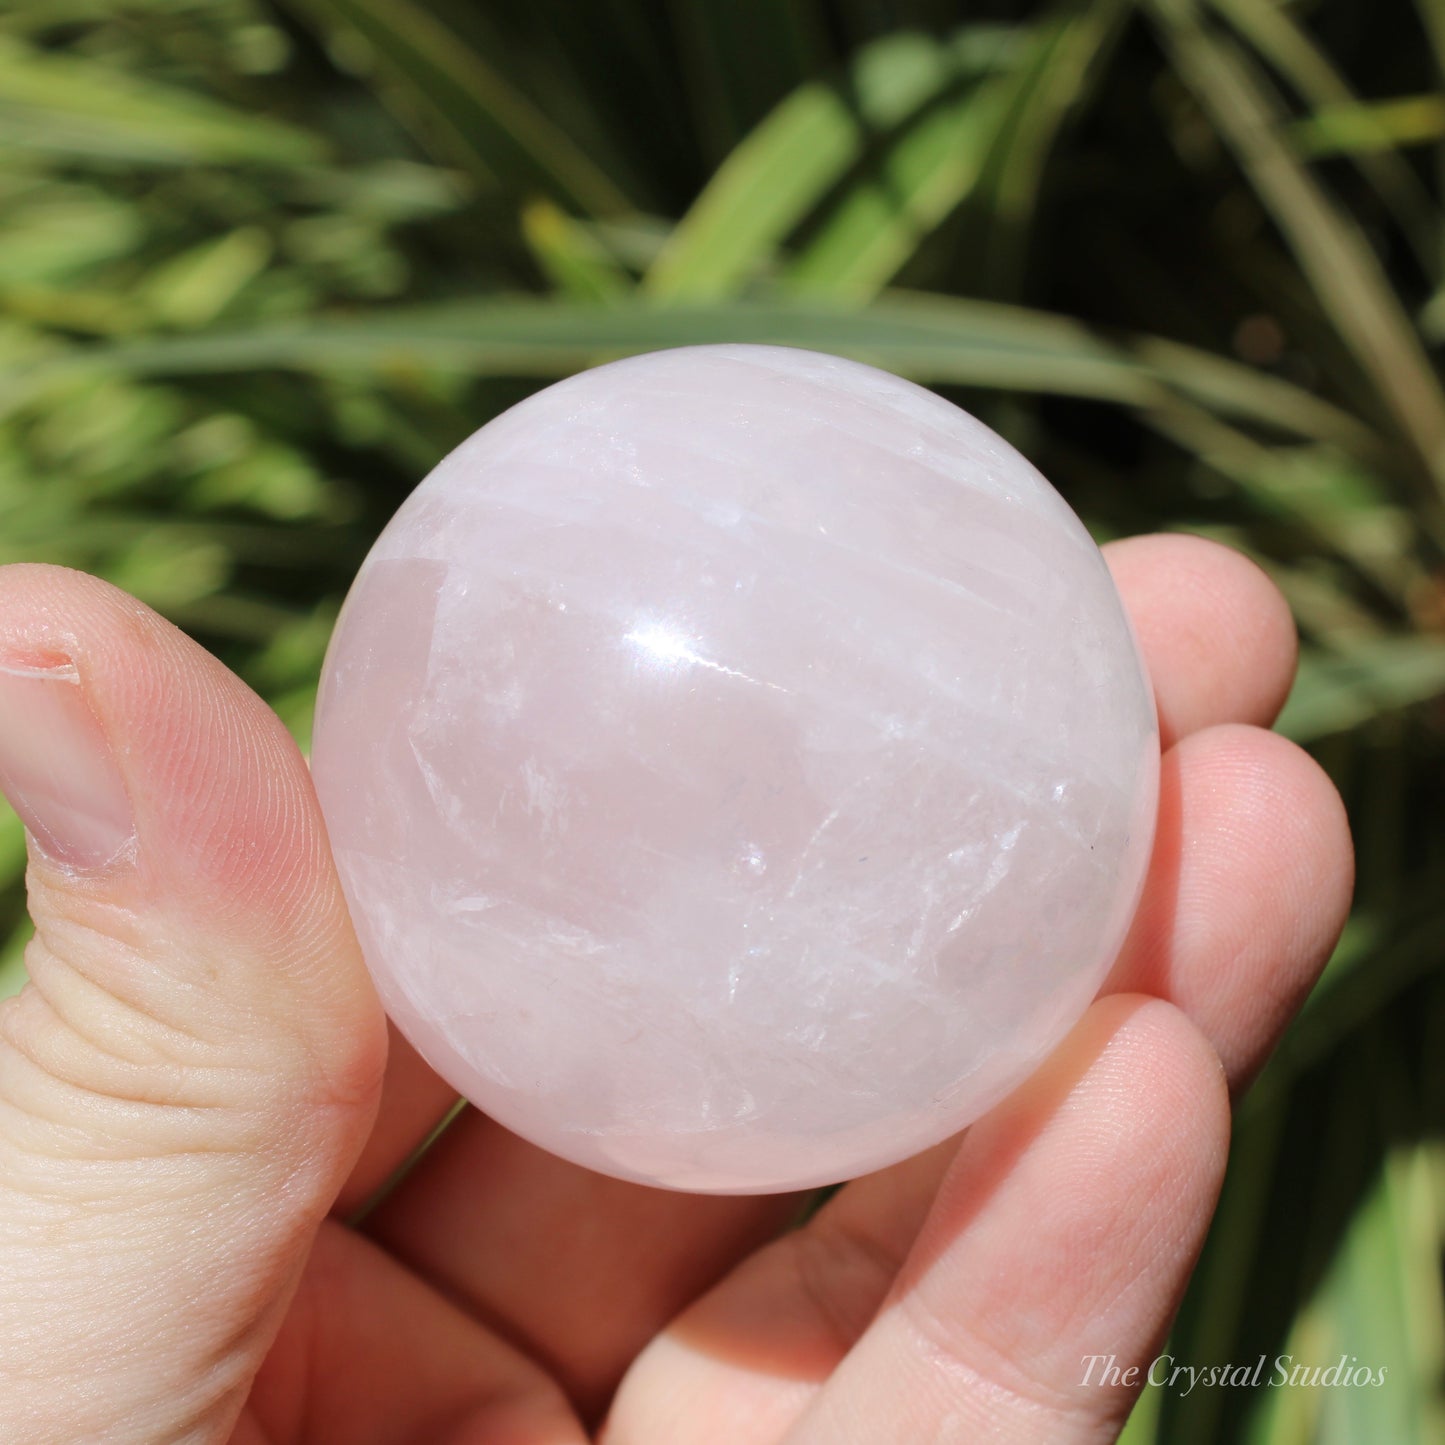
<point>740,768</point>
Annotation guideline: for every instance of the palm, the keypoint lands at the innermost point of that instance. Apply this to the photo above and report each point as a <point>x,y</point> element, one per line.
<point>502,1295</point>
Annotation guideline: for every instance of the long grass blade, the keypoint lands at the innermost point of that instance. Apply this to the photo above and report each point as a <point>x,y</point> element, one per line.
<point>1069,60</point>
<point>1345,274</point>
<point>1376,1307</point>
<point>1432,18</point>
<point>934,339</point>
<point>73,108</point>
<point>1370,135</point>
<point>1361,128</point>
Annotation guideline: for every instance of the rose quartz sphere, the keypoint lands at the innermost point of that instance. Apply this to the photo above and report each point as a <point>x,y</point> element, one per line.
<point>740,768</point>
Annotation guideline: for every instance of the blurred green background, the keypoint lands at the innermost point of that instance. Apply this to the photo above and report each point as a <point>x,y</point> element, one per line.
<point>262,262</point>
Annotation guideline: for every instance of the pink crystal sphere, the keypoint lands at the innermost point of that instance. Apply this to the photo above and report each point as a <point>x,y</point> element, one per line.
<point>740,768</point>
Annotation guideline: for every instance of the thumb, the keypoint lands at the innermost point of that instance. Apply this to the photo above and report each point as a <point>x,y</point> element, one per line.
<point>196,1060</point>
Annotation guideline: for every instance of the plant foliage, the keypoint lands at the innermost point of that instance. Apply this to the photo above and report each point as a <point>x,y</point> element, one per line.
<point>263,262</point>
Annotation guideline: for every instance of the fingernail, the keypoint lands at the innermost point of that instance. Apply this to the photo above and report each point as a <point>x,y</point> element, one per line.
<point>56,766</point>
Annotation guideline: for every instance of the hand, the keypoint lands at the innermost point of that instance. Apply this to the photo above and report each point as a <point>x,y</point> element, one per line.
<point>189,1095</point>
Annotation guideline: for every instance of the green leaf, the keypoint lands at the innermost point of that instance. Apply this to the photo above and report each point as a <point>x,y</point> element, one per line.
<point>922,176</point>
<point>1359,128</point>
<point>12,954</point>
<point>1336,692</point>
<point>778,175</point>
<point>193,288</point>
<point>69,107</point>
<point>384,191</point>
<point>992,134</point>
<point>1378,1307</point>
<point>56,232</point>
<point>461,103</point>
<point>572,255</point>
<point>1381,1305</point>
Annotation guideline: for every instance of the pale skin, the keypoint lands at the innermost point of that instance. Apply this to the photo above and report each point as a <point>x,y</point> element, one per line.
<point>197,1089</point>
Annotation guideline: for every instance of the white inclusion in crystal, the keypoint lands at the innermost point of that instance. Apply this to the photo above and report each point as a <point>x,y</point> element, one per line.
<point>808,850</point>
<point>723,514</point>
<point>752,862</point>
<point>995,875</point>
<point>734,975</point>
<point>544,798</point>
<point>475,903</point>
<point>666,644</point>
